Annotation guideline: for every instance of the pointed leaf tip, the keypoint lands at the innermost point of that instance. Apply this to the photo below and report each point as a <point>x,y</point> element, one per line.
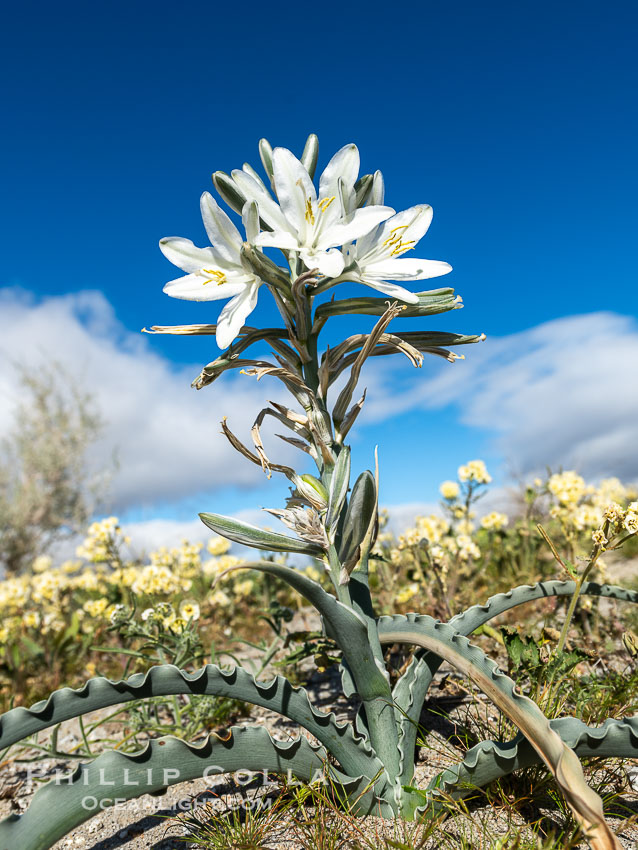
<point>250,535</point>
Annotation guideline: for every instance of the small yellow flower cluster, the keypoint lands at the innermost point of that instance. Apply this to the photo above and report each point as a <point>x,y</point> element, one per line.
<point>494,521</point>
<point>103,539</point>
<point>185,559</point>
<point>47,586</point>
<point>154,580</point>
<point>41,564</point>
<point>213,567</point>
<point>599,537</point>
<point>463,546</point>
<point>164,616</point>
<point>630,519</point>
<point>609,490</point>
<point>567,487</point>
<point>429,528</point>
<point>14,593</point>
<point>219,599</point>
<point>449,490</point>
<point>218,546</point>
<point>583,507</point>
<point>313,573</point>
<point>474,470</point>
<point>96,607</point>
<point>243,588</point>
<point>406,593</point>
<point>124,576</point>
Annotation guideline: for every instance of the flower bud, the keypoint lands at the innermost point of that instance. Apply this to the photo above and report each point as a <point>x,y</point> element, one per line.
<point>312,490</point>
<point>258,263</point>
<point>229,191</point>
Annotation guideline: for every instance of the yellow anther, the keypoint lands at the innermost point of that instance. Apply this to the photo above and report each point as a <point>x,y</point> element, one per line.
<point>402,247</point>
<point>324,203</point>
<point>310,216</point>
<point>396,244</point>
<point>216,276</point>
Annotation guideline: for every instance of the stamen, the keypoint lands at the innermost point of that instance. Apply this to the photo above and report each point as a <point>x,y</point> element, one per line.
<point>216,276</point>
<point>396,244</point>
<point>324,203</point>
<point>310,216</point>
<point>402,247</point>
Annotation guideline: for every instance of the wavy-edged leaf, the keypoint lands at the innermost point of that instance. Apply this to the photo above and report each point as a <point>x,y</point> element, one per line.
<point>353,754</point>
<point>411,689</point>
<point>350,631</point>
<point>251,535</point>
<point>491,760</point>
<point>58,808</point>
<point>447,643</point>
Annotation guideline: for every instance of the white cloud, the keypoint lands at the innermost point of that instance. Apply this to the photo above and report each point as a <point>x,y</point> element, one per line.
<point>166,435</point>
<point>562,393</point>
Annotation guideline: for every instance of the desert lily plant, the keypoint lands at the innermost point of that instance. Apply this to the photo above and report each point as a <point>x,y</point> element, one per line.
<point>340,232</point>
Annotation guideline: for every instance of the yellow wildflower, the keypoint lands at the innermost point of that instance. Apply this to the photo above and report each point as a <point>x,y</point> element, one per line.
<point>41,564</point>
<point>568,487</point>
<point>494,521</point>
<point>219,599</point>
<point>598,537</point>
<point>243,588</point>
<point>474,470</point>
<point>96,607</point>
<point>406,593</point>
<point>189,610</point>
<point>449,490</point>
<point>218,546</point>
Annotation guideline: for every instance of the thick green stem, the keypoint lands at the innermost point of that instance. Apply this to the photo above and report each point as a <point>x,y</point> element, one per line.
<point>342,590</point>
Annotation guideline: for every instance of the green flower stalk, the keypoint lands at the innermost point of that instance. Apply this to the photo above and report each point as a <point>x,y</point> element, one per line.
<point>340,231</point>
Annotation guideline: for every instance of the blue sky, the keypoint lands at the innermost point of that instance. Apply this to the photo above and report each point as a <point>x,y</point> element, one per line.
<point>516,121</point>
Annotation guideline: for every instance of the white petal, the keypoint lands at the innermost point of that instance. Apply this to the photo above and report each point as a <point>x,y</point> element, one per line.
<point>247,167</point>
<point>222,233</point>
<point>391,289</point>
<point>344,164</point>
<point>277,239</point>
<point>233,315</point>
<point>408,269</point>
<point>329,263</point>
<point>186,256</point>
<point>192,287</point>
<point>250,220</point>
<point>268,208</point>
<point>294,187</point>
<point>356,225</point>
<point>407,226</point>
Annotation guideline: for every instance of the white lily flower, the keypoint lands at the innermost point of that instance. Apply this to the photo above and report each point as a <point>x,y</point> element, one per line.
<point>376,256</point>
<point>216,272</point>
<point>302,221</point>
